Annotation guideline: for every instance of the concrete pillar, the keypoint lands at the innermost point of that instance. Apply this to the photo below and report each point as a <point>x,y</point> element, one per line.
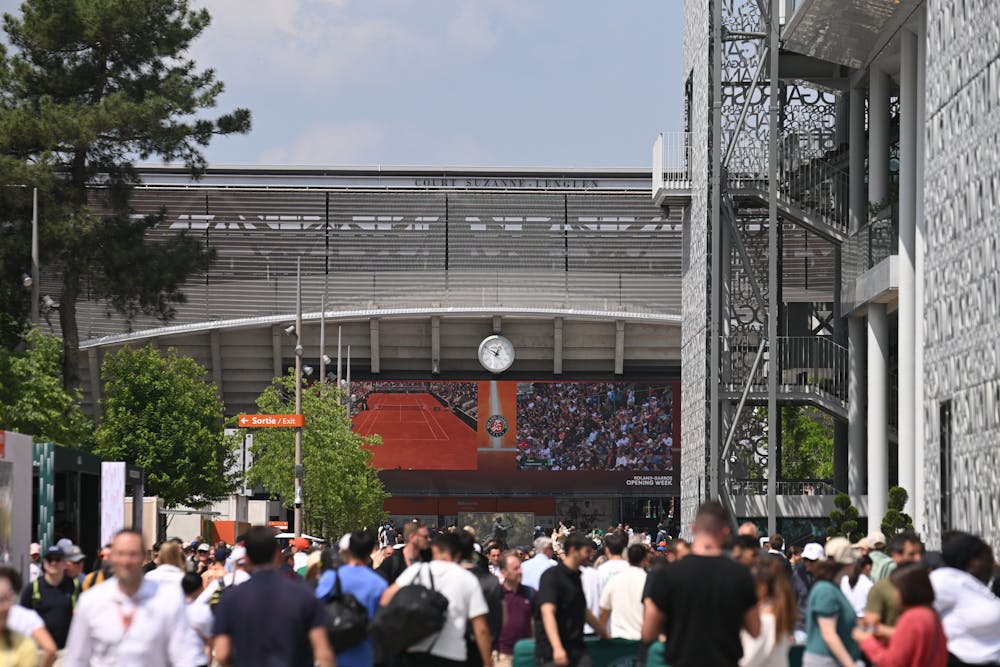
<point>878,326</point>
<point>907,276</point>
<point>878,416</point>
<point>878,134</point>
<point>856,166</point>
<point>919,437</point>
<point>857,434</point>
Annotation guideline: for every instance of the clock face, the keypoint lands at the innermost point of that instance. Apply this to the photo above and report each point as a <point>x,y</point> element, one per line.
<point>496,354</point>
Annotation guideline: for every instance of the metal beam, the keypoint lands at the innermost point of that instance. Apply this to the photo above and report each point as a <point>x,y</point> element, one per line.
<point>715,317</point>
<point>436,344</point>
<point>496,324</point>
<point>773,423</point>
<point>744,255</point>
<point>619,347</point>
<point>746,107</point>
<point>557,346</point>
<point>743,398</point>
<point>215,343</point>
<point>276,364</point>
<point>373,330</point>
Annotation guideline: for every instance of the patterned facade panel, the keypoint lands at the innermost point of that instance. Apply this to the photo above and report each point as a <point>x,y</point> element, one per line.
<point>962,269</point>
<point>694,350</point>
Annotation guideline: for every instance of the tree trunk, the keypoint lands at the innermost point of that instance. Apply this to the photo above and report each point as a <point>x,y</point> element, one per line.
<point>70,335</point>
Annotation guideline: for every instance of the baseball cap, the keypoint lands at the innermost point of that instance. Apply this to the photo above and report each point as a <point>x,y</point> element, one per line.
<point>239,555</point>
<point>813,551</point>
<point>36,548</point>
<point>75,554</point>
<point>221,554</point>
<point>876,540</point>
<point>299,543</point>
<point>64,544</point>
<point>204,547</point>
<point>54,552</point>
<point>840,550</point>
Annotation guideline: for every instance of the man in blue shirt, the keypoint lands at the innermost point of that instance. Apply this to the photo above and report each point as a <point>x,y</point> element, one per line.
<point>358,579</point>
<point>270,620</point>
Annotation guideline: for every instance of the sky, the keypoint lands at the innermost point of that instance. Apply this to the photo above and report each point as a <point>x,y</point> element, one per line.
<point>518,83</point>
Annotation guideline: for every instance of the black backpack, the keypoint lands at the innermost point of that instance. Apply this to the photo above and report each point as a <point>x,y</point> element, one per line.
<point>348,618</point>
<point>414,614</point>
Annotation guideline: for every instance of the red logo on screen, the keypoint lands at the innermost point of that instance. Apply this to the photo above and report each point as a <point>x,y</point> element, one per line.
<point>496,425</point>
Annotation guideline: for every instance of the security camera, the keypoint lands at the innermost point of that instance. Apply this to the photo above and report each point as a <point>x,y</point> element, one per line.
<point>290,330</point>
<point>298,351</point>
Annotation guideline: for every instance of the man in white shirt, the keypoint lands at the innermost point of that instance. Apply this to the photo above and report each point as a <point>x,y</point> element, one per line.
<point>532,569</point>
<point>615,543</point>
<point>127,621</point>
<point>466,604</point>
<point>621,599</point>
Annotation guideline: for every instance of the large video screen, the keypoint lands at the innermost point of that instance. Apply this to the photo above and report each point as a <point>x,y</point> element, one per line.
<point>594,426</point>
<point>490,435</point>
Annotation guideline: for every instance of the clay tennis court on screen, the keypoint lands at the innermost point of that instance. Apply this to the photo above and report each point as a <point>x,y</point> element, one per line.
<point>417,432</point>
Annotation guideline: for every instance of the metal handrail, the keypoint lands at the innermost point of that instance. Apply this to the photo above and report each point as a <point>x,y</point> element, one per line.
<point>671,157</point>
<point>758,487</point>
<point>871,244</point>
<point>809,364</point>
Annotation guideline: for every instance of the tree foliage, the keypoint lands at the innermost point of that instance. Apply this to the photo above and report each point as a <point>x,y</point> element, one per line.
<point>88,88</point>
<point>895,520</point>
<point>32,397</point>
<point>160,413</point>
<point>844,519</point>
<point>806,443</point>
<point>341,491</point>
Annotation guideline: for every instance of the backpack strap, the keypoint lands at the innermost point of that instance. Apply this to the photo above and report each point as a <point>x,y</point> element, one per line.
<point>76,591</point>
<point>36,594</point>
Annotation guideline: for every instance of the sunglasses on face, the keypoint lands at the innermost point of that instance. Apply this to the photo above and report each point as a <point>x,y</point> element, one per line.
<point>53,559</point>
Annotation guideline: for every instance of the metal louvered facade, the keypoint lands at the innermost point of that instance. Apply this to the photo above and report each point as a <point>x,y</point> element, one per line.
<point>598,244</point>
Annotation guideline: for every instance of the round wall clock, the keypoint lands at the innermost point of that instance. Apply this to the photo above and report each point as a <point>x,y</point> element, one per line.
<point>496,354</point>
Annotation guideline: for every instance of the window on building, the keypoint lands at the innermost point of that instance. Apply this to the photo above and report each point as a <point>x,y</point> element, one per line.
<point>944,439</point>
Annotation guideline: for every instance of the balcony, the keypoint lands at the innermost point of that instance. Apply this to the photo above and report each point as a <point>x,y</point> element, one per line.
<point>671,174</point>
<point>868,262</point>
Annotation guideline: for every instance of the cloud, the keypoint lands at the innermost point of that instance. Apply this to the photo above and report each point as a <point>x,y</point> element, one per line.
<point>347,144</point>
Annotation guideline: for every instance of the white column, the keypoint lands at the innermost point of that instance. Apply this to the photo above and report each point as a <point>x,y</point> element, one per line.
<point>907,275</point>
<point>856,432</point>
<point>878,327</point>
<point>919,437</point>
<point>878,134</point>
<point>878,398</point>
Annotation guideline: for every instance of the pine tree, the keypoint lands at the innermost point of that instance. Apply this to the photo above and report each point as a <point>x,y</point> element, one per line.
<point>88,88</point>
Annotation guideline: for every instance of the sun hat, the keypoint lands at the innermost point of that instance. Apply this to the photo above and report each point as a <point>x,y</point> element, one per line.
<point>840,550</point>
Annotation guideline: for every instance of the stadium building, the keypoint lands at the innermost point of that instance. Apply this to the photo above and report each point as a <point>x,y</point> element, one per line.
<point>579,270</point>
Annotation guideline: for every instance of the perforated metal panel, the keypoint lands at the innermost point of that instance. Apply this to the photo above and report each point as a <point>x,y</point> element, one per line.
<point>602,250</point>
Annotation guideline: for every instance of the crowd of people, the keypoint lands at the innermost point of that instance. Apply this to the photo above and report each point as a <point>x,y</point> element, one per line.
<point>595,426</point>
<point>418,596</point>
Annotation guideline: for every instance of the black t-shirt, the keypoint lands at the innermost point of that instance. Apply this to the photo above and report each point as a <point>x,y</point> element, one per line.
<point>54,604</point>
<point>268,619</point>
<point>703,599</point>
<point>561,586</point>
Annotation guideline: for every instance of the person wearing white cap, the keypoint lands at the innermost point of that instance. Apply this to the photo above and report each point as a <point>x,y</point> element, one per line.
<point>35,567</point>
<point>802,582</point>
<point>213,591</point>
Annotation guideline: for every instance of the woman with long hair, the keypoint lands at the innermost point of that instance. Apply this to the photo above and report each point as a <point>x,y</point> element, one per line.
<point>918,638</point>
<point>857,584</point>
<point>830,616</point>
<point>16,650</point>
<point>776,605</point>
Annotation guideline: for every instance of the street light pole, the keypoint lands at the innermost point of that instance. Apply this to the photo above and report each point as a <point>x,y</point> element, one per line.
<point>35,282</point>
<point>298,396</point>
<point>322,335</point>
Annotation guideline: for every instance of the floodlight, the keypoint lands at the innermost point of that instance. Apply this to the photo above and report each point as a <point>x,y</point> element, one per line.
<point>327,360</point>
<point>307,370</point>
<point>26,280</point>
<point>290,330</point>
